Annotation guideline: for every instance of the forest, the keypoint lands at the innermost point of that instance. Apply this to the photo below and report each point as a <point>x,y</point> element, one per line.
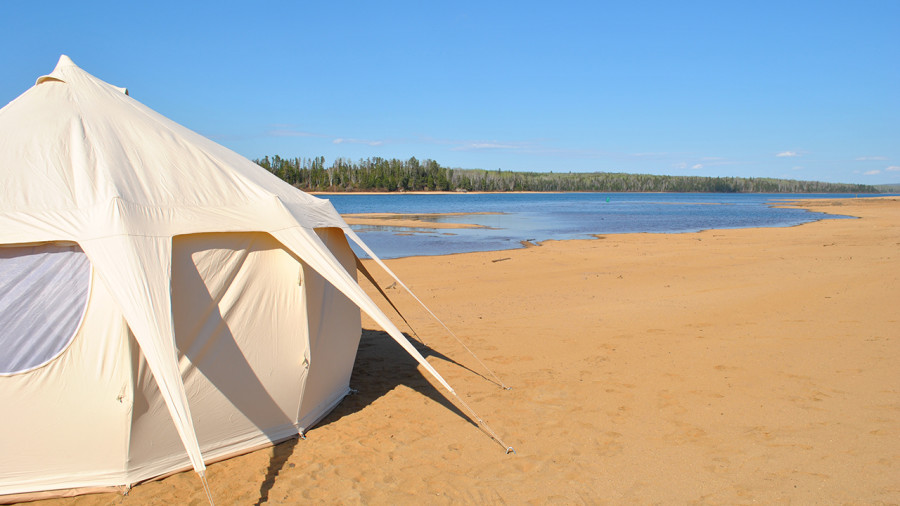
<point>392,175</point>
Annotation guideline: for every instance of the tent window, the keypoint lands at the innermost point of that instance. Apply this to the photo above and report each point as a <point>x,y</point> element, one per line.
<point>43,295</point>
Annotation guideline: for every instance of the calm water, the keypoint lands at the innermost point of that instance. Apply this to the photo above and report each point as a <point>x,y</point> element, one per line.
<point>543,216</point>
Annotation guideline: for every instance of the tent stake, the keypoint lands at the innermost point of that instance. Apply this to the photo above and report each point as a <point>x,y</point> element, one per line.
<point>484,426</point>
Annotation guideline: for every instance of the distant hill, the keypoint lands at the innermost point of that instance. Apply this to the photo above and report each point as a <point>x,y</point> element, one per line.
<point>379,174</point>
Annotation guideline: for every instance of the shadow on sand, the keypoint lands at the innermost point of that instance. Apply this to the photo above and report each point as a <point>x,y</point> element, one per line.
<point>381,365</point>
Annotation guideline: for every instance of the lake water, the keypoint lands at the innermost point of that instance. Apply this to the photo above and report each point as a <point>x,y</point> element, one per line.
<point>541,216</point>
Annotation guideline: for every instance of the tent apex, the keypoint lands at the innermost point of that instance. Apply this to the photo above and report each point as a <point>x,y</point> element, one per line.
<point>64,61</point>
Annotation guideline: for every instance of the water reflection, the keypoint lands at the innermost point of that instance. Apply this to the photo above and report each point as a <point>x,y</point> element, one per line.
<point>539,217</point>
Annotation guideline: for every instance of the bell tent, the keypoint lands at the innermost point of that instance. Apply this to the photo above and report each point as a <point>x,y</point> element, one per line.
<point>164,302</point>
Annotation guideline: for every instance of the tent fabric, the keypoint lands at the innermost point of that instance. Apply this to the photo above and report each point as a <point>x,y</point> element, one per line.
<point>298,238</point>
<point>137,271</point>
<point>81,162</point>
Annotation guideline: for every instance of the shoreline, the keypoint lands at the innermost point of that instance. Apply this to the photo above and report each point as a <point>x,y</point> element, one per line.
<point>726,366</point>
<point>446,192</point>
<point>425,220</point>
<point>442,192</point>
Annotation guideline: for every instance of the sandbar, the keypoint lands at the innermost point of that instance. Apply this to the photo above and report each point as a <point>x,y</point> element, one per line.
<point>421,220</point>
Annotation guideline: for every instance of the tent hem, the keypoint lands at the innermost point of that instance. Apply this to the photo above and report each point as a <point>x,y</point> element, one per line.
<point>303,426</point>
<point>58,493</point>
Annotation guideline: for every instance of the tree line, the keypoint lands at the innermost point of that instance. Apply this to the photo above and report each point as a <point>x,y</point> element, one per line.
<point>391,175</point>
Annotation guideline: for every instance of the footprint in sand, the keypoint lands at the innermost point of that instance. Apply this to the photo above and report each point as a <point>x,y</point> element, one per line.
<point>690,435</point>
<point>610,445</point>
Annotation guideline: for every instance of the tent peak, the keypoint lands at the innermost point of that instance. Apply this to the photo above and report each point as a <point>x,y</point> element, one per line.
<point>62,66</point>
<point>65,61</point>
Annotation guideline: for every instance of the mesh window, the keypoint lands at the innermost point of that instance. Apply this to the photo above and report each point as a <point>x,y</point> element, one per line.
<point>43,294</point>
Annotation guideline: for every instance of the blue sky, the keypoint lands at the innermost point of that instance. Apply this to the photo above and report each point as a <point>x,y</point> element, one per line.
<point>802,90</point>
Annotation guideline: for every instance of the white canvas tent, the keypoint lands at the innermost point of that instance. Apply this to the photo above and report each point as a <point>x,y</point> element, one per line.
<point>164,302</point>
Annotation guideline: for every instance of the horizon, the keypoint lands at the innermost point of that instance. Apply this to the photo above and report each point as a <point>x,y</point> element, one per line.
<point>330,162</point>
<point>805,91</point>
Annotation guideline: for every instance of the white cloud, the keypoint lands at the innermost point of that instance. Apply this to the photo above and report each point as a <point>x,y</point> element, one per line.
<point>480,145</point>
<point>865,158</point>
<point>341,140</point>
<point>787,154</point>
<point>893,168</point>
<point>872,172</point>
<point>703,162</point>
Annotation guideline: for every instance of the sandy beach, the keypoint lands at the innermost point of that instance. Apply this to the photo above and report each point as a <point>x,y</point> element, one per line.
<point>751,366</point>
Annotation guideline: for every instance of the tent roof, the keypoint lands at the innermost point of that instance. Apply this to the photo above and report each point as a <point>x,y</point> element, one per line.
<point>73,147</point>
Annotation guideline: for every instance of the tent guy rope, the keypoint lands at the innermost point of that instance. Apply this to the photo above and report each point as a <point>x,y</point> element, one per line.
<point>350,233</point>
<point>490,432</point>
<point>479,421</point>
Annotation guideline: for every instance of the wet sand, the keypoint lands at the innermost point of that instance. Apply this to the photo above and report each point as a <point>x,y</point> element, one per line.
<point>720,367</point>
<point>423,221</point>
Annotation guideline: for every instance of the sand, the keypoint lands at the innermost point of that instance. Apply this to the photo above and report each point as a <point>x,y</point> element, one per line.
<point>720,367</point>
<point>417,221</point>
